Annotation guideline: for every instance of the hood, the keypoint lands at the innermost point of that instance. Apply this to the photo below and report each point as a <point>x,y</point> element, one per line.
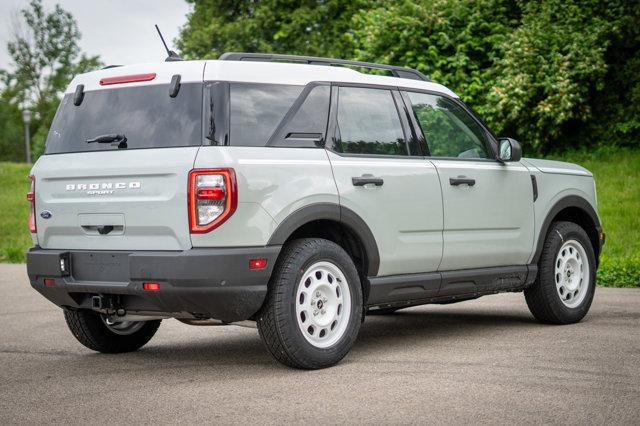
<point>557,167</point>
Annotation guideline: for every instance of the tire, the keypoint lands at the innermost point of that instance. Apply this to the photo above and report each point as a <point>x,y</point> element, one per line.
<point>564,289</point>
<point>91,330</point>
<point>308,296</point>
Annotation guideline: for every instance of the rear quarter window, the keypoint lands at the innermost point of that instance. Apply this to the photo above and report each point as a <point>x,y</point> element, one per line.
<point>257,109</point>
<point>146,115</point>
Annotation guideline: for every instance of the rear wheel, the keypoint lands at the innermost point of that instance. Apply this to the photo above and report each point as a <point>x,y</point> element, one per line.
<point>313,310</point>
<point>564,290</point>
<point>97,332</point>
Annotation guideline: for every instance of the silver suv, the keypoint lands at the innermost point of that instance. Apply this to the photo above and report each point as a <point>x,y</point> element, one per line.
<point>295,193</point>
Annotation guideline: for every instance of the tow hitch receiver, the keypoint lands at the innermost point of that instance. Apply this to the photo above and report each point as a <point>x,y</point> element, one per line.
<point>107,304</point>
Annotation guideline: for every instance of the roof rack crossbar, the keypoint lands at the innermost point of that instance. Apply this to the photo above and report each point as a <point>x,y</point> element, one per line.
<point>401,72</point>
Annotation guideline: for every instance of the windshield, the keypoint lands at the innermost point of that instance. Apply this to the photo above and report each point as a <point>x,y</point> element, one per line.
<point>146,115</point>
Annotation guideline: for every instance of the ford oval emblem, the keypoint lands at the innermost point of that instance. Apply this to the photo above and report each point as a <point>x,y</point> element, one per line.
<point>45,214</point>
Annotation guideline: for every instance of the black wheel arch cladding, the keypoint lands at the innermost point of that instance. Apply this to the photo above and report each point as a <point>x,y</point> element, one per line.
<point>577,204</point>
<point>333,212</point>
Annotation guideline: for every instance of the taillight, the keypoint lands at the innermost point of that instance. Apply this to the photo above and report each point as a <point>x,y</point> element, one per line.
<point>31,198</point>
<point>213,197</point>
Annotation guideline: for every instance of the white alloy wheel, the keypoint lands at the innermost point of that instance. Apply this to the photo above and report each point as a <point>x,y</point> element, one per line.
<point>572,273</point>
<point>323,304</point>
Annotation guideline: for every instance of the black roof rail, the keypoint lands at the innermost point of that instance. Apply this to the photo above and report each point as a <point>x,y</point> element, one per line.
<point>401,72</point>
<point>110,66</point>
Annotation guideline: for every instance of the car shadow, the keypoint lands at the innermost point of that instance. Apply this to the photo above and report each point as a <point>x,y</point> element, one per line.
<point>377,334</point>
<point>405,327</point>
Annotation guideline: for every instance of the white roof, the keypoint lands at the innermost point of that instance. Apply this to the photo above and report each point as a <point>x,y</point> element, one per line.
<point>245,71</point>
<point>190,72</point>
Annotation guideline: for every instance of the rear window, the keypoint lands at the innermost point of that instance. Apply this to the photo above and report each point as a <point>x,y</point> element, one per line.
<point>146,115</point>
<point>257,109</point>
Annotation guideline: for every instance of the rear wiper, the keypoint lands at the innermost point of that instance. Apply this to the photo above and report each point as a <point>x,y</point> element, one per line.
<point>113,139</point>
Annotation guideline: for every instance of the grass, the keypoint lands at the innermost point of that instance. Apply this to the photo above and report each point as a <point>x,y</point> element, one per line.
<point>14,234</point>
<point>617,174</point>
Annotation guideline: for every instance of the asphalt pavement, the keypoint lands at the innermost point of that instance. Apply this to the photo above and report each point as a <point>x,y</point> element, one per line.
<point>482,361</point>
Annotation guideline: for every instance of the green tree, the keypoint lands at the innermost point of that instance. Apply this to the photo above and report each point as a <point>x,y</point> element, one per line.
<point>536,71</point>
<point>553,74</point>
<point>454,42</point>
<point>551,65</point>
<point>616,108</point>
<point>11,136</point>
<point>309,27</point>
<point>46,55</point>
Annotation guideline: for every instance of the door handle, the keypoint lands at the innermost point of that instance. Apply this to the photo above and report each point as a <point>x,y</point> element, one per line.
<point>366,179</point>
<point>462,180</point>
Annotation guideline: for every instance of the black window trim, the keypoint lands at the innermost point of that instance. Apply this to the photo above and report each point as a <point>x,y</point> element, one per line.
<point>217,93</point>
<point>492,140</point>
<point>422,149</point>
<point>274,139</point>
<point>332,127</point>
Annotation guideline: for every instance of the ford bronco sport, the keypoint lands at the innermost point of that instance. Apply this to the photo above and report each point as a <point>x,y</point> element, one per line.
<point>295,193</point>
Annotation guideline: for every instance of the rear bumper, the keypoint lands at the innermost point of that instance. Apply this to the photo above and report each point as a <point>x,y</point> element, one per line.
<point>208,282</point>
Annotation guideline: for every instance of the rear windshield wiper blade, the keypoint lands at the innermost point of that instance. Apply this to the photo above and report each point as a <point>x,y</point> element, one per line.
<point>120,140</point>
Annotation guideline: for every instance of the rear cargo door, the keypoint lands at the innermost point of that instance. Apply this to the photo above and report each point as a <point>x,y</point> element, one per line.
<point>114,195</point>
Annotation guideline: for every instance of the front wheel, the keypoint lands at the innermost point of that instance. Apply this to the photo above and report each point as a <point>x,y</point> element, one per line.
<point>97,332</point>
<point>565,287</point>
<point>313,310</point>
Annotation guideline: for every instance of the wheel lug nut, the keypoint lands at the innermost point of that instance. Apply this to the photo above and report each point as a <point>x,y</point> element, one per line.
<point>315,313</point>
<point>324,312</point>
<point>317,294</point>
<point>324,300</point>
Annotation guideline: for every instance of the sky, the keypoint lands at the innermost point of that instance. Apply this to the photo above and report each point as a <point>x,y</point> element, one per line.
<point>119,31</point>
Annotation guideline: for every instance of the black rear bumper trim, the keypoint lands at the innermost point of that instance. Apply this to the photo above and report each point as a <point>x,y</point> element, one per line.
<point>204,282</point>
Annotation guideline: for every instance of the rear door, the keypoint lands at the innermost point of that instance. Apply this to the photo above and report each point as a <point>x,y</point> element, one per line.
<point>395,192</point>
<point>122,195</point>
<point>488,205</point>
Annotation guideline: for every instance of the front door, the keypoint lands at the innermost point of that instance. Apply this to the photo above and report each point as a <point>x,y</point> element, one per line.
<point>488,205</point>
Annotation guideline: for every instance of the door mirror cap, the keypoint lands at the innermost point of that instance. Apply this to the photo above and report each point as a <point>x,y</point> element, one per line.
<point>509,150</point>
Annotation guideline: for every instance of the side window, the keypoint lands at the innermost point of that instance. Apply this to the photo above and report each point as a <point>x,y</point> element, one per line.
<point>305,125</point>
<point>257,109</point>
<point>368,122</point>
<point>449,130</point>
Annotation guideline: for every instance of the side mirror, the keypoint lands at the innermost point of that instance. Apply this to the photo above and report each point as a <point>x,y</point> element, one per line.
<point>509,150</point>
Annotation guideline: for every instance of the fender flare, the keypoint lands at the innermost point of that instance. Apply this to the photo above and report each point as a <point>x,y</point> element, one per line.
<point>337,213</point>
<point>565,202</point>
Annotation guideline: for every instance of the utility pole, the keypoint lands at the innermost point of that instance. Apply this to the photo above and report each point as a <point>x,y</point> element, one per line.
<point>26,117</point>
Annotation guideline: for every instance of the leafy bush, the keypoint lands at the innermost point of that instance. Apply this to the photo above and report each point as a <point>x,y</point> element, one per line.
<point>549,66</point>
<point>619,272</point>
<point>541,72</point>
<point>455,43</point>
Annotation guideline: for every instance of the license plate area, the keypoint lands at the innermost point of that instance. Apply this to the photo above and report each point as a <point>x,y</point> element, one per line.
<point>100,266</point>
